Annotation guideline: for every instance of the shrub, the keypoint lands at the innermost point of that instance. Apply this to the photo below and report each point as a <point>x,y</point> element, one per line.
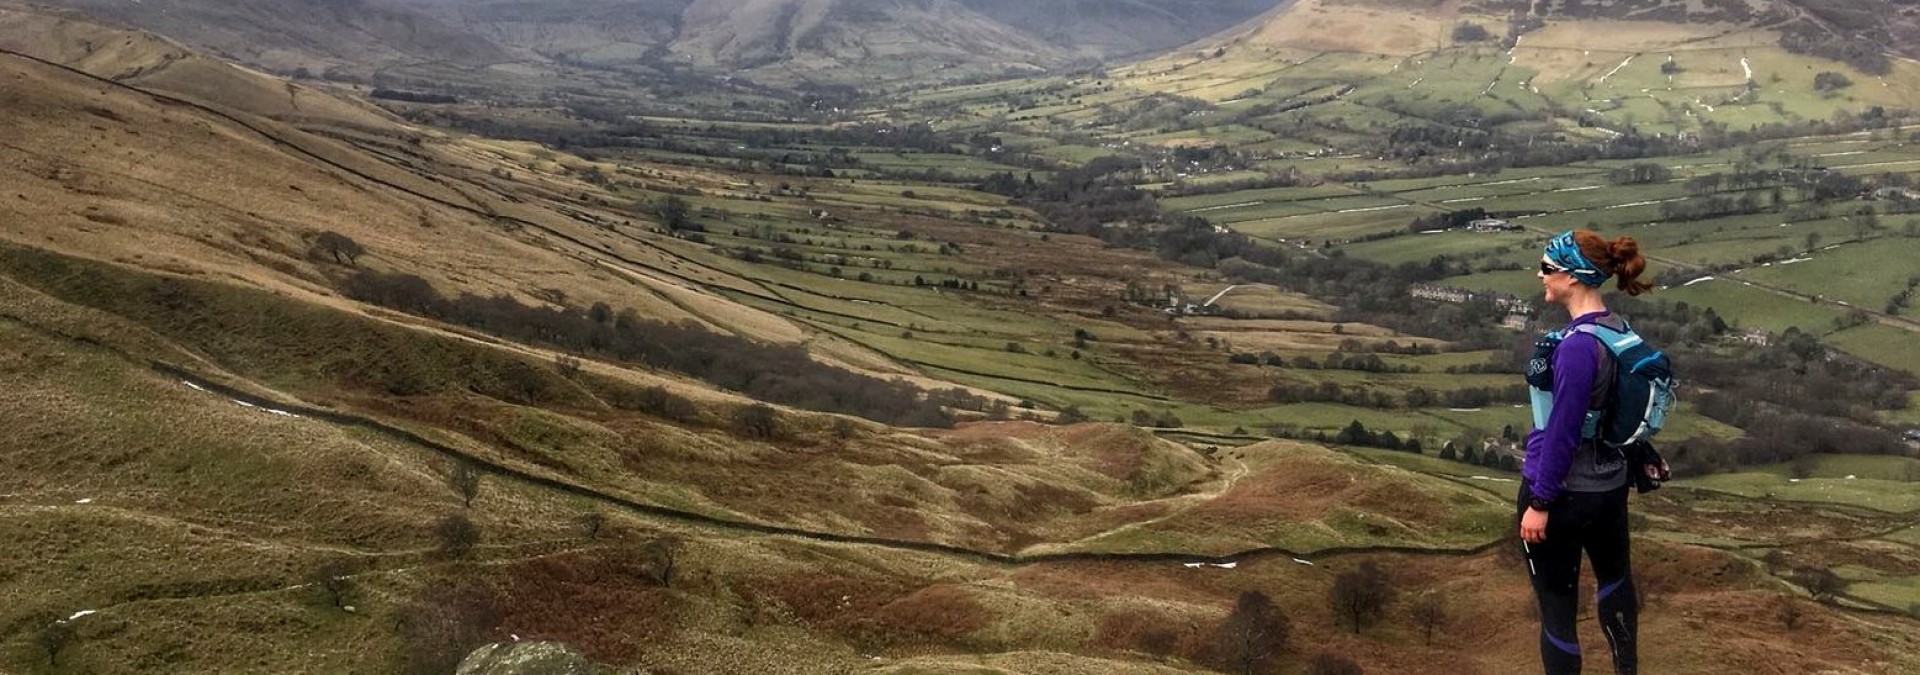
<point>333,581</point>
<point>758,421</point>
<point>1467,31</point>
<point>591,523</point>
<point>52,638</point>
<point>1329,663</point>
<point>456,535</point>
<point>660,557</point>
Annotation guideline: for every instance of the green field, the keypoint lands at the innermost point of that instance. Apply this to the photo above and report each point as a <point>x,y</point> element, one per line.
<point>1893,496</point>
<point>1865,274</point>
<point>1749,307</point>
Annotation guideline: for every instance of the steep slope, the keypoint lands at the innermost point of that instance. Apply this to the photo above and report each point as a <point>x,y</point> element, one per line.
<point>1108,29</point>
<point>780,41</point>
<point>313,34</point>
<point>147,60</point>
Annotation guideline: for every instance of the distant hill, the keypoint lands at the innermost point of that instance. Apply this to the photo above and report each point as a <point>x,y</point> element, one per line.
<point>1842,29</point>
<point>290,34</point>
<point>780,41</point>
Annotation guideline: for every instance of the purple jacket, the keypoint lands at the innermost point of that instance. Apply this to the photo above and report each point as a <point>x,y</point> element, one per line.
<point>1550,451</point>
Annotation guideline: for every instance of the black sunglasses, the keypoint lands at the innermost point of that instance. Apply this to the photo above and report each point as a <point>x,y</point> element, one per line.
<point>1550,269</point>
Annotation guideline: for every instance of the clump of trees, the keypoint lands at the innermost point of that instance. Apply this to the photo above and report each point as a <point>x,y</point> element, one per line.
<point>1827,81</point>
<point>1640,173</point>
<point>1467,31</point>
<point>1830,403</point>
<point>1866,56</point>
<point>778,373</point>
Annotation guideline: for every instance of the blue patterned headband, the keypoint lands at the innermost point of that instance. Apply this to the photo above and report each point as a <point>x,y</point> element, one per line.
<point>1563,252</point>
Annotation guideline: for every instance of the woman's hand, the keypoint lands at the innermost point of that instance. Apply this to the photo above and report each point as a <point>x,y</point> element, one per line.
<point>1533,526</point>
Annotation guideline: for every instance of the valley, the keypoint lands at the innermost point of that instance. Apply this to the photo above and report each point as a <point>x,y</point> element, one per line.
<point>944,360</point>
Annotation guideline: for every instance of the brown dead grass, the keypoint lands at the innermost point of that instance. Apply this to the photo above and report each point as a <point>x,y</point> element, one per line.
<point>598,601</point>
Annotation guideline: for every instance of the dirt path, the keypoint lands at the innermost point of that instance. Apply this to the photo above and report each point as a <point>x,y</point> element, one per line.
<point>1236,471</point>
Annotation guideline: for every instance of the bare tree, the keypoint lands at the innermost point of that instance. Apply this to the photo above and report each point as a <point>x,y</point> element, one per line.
<point>343,248</point>
<point>456,534</point>
<point>1360,595</point>
<point>591,523</point>
<point>334,580</point>
<point>1253,635</point>
<point>661,557</point>
<point>465,481</point>
<point>1429,613</point>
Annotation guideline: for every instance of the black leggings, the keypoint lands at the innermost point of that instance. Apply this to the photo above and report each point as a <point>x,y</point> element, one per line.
<point>1596,522</point>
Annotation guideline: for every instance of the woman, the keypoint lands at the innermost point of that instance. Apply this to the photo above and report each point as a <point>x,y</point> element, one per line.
<point>1573,492</point>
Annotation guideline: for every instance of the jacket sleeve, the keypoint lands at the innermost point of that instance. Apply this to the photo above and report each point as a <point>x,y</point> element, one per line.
<point>1576,362</point>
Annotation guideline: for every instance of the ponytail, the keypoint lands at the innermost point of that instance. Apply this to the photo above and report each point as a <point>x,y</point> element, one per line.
<point>1623,255</point>
<point>1620,257</point>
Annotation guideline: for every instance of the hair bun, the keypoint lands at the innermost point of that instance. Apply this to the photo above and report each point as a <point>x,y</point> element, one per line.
<point>1623,249</point>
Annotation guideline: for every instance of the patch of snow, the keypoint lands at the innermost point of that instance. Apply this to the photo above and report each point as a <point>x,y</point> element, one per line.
<point>1695,281</point>
<point>1646,203</point>
<point>1617,68</point>
<point>1795,260</point>
<point>1303,562</point>
<point>1463,409</point>
<point>1192,565</point>
<point>1462,199</point>
<point>1793,480</point>
<point>1225,206</point>
<point>85,612</point>
<point>1851,476</point>
<point>1580,189</point>
<point>191,384</point>
<point>1747,66</point>
<point>88,500</point>
<point>1231,565</point>
<point>281,413</point>
<point>244,403</point>
<point>1432,231</point>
